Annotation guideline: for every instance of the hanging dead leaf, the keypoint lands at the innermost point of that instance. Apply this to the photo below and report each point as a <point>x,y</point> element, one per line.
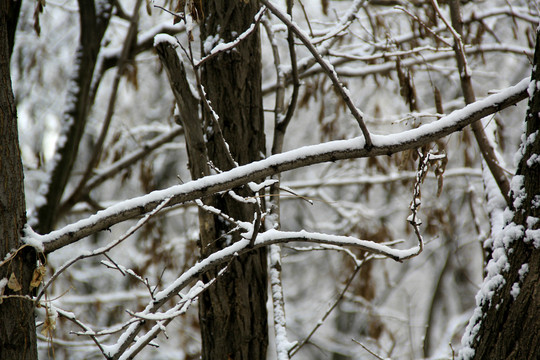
<point>194,7</point>
<point>406,86</point>
<point>40,4</point>
<point>49,325</point>
<point>131,72</point>
<point>438,100</point>
<point>324,5</point>
<point>440,167</point>
<point>37,277</point>
<point>13,283</point>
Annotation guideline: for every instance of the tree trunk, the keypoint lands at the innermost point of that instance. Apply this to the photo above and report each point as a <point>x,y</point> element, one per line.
<point>506,323</point>
<point>17,324</point>
<point>232,312</point>
<point>93,24</point>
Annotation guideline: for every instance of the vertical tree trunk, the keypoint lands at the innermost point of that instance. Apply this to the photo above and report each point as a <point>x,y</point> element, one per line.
<point>233,313</point>
<point>17,324</point>
<point>93,24</point>
<point>506,323</point>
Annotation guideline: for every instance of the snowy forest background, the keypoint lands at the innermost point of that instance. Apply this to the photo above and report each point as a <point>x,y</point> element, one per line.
<point>397,62</point>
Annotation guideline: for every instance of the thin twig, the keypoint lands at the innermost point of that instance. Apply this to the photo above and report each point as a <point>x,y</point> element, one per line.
<point>295,349</point>
<point>89,332</point>
<point>282,125</point>
<point>104,249</point>
<point>369,351</point>
<point>328,68</point>
<point>206,104</point>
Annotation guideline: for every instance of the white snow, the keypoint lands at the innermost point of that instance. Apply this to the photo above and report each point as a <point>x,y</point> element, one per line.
<point>209,42</point>
<point>533,235</point>
<point>523,271</point>
<point>3,283</point>
<point>515,290</point>
<point>532,87</point>
<point>165,38</point>
<point>518,190</point>
<point>32,238</point>
<point>494,280</point>
<point>533,160</point>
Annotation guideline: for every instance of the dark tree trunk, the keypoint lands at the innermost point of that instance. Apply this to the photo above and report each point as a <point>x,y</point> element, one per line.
<point>233,313</point>
<point>78,103</point>
<point>17,324</point>
<point>509,327</point>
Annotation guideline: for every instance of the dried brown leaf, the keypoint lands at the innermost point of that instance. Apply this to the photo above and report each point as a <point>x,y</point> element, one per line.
<point>438,100</point>
<point>48,325</point>
<point>406,86</point>
<point>37,277</point>
<point>13,283</point>
<point>40,4</point>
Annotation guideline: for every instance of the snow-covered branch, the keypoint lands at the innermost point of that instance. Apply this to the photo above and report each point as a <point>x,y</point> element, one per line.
<point>294,159</point>
<point>229,253</point>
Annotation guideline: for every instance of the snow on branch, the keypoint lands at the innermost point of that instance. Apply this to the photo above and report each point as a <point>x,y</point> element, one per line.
<point>123,346</point>
<point>222,47</point>
<point>294,159</point>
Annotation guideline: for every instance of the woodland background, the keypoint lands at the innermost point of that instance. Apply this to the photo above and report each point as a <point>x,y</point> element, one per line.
<point>398,61</point>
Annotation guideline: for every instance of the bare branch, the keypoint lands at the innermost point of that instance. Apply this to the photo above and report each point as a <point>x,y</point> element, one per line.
<point>331,308</point>
<point>383,68</point>
<point>107,173</point>
<point>327,67</point>
<point>488,151</point>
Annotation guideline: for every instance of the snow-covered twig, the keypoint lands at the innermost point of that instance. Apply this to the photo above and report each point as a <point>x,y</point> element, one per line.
<point>283,346</point>
<point>280,79</point>
<point>240,247</point>
<point>369,351</point>
<point>410,61</point>
<point>231,45</point>
<point>88,331</point>
<point>104,249</point>
<point>125,350</point>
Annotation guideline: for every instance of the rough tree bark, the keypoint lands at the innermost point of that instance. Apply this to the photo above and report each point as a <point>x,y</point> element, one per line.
<point>506,324</point>
<point>17,323</point>
<point>232,312</point>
